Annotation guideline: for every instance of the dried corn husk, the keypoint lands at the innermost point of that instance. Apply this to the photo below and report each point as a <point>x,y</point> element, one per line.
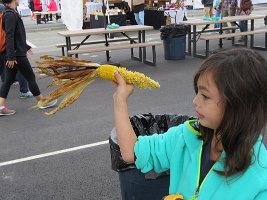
<point>73,75</point>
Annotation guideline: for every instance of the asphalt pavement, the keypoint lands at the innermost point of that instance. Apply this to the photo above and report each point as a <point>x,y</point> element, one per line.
<point>38,158</point>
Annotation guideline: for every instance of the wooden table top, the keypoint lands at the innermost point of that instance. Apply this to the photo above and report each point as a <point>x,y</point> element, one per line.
<point>48,12</point>
<point>225,19</point>
<point>97,31</point>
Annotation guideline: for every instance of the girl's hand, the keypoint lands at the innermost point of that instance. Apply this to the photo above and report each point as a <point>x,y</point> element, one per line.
<point>124,90</point>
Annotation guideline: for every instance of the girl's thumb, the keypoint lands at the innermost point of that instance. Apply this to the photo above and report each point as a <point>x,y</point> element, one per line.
<point>118,78</point>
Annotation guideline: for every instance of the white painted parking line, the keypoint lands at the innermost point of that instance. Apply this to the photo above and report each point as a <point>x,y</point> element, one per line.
<point>53,153</point>
<point>31,44</point>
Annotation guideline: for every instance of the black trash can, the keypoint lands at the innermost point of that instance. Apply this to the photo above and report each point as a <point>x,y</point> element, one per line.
<point>174,41</point>
<point>134,184</point>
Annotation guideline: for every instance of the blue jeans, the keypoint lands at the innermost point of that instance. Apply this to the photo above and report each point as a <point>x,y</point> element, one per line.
<point>140,18</point>
<point>243,26</point>
<point>218,14</point>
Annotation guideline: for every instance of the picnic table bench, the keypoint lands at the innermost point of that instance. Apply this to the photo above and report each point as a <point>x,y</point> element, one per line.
<point>78,44</point>
<point>139,42</point>
<point>207,38</point>
<point>193,23</point>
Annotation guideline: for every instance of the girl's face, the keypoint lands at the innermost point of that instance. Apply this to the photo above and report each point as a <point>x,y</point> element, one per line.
<point>208,102</point>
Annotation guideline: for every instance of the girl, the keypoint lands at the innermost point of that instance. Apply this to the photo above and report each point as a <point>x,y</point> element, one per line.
<point>220,155</point>
<point>15,57</point>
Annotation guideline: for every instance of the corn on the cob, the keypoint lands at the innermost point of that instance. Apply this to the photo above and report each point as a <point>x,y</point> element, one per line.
<point>135,78</point>
<point>73,75</point>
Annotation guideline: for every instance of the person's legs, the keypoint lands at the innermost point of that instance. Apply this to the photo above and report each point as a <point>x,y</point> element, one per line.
<point>23,85</point>
<point>25,68</point>
<point>232,12</point>
<point>243,27</point>
<point>10,75</point>
<point>206,11</point>
<point>26,71</point>
<point>2,67</point>
<point>211,13</point>
<point>142,17</point>
<point>136,16</point>
<point>225,14</point>
<point>218,14</point>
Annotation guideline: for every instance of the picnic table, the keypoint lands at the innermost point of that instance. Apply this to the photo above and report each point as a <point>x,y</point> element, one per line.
<point>109,45</point>
<point>194,34</point>
<point>46,15</point>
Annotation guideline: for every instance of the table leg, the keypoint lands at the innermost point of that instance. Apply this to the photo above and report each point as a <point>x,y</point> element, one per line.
<point>189,42</point>
<point>220,40</point>
<point>140,40</point>
<point>68,45</point>
<point>194,40</point>
<point>144,48</point>
<point>252,36</point>
<point>107,44</point>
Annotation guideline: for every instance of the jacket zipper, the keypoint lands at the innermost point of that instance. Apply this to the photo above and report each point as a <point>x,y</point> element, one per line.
<point>195,196</point>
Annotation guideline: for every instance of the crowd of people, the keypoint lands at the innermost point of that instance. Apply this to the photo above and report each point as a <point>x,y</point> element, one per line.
<point>224,8</point>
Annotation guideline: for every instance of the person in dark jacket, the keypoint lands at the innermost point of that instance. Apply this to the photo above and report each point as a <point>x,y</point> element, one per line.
<point>208,8</point>
<point>31,5</point>
<point>15,57</point>
<point>138,7</point>
<point>24,89</point>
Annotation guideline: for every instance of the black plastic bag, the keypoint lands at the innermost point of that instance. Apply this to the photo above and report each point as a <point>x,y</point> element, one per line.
<point>143,124</point>
<point>173,30</point>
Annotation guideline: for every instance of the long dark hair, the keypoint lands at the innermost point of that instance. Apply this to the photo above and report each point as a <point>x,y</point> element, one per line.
<point>241,78</point>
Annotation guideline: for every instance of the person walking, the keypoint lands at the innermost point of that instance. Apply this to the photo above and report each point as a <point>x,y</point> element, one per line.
<point>138,7</point>
<point>217,5</point>
<point>24,89</point>
<point>229,9</point>
<point>15,57</point>
<point>245,8</point>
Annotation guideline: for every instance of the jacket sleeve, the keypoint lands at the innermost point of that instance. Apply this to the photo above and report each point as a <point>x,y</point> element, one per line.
<point>10,22</point>
<point>28,47</point>
<point>155,151</point>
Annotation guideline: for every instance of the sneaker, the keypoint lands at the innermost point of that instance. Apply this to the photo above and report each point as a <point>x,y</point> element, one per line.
<point>15,83</point>
<point>4,111</point>
<point>25,95</point>
<point>49,105</point>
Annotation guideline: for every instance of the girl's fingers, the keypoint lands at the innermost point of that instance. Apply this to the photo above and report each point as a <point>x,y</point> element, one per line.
<point>115,84</point>
<point>119,78</point>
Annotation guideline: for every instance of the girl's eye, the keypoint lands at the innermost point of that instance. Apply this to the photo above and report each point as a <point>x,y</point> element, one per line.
<point>204,97</point>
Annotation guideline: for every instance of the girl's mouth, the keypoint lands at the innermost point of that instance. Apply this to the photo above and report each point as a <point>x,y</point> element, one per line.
<point>199,116</point>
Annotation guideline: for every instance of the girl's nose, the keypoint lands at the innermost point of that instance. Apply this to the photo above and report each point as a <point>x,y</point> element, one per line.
<point>195,101</point>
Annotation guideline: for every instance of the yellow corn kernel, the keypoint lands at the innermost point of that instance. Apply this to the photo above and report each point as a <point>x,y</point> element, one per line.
<point>137,79</point>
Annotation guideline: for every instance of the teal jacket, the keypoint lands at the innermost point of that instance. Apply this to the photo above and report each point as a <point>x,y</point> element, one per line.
<point>179,149</point>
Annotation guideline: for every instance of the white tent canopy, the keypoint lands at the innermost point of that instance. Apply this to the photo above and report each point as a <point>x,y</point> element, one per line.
<point>72,14</point>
